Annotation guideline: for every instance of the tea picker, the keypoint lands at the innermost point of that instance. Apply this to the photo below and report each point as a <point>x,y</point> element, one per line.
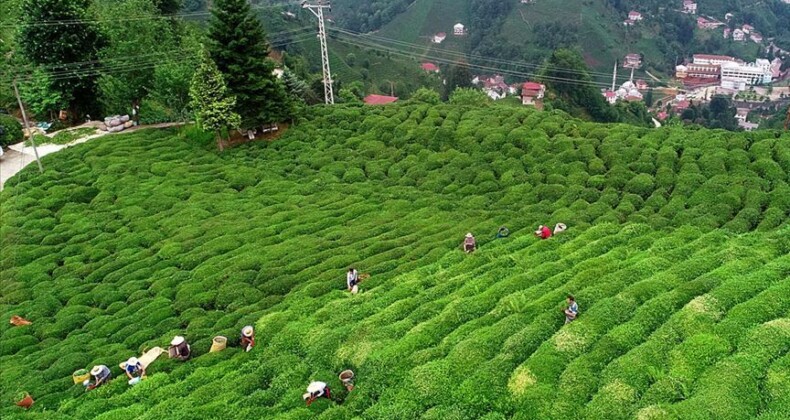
<point>179,348</point>
<point>469,244</point>
<point>572,311</point>
<point>352,280</point>
<point>247,338</point>
<point>101,375</point>
<point>316,390</point>
<point>543,232</point>
<point>134,370</point>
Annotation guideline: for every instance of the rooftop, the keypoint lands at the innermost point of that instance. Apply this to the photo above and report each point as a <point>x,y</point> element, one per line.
<point>380,99</point>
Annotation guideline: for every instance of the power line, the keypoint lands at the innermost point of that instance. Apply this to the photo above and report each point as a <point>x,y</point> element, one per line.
<point>451,53</point>
<point>392,50</point>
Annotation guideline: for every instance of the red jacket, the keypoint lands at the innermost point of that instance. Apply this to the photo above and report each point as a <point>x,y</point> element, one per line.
<point>545,232</point>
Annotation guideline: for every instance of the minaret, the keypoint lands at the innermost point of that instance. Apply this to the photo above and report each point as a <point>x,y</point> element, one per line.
<point>614,75</point>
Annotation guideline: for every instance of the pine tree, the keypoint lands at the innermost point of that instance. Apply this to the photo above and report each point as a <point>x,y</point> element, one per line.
<point>59,47</point>
<point>239,47</point>
<point>210,100</point>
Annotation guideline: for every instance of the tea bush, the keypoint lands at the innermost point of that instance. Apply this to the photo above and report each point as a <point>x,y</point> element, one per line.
<point>676,251</point>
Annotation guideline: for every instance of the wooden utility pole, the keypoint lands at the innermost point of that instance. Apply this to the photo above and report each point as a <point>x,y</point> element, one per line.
<point>27,127</point>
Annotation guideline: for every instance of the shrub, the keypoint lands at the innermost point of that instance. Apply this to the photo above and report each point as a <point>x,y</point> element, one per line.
<point>10,130</point>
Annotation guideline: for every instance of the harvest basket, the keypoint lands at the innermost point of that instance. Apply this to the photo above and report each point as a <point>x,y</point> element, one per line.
<point>80,376</point>
<point>347,378</point>
<point>26,401</point>
<point>218,344</point>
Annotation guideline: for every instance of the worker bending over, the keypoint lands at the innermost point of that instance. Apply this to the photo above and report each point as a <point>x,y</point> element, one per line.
<point>316,390</point>
<point>543,232</point>
<point>352,278</point>
<point>469,244</point>
<point>101,375</point>
<point>134,367</point>
<point>247,338</point>
<point>179,348</point>
<point>572,311</point>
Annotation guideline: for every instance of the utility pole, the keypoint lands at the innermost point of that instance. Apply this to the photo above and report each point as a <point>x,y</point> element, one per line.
<point>614,75</point>
<point>318,10</point>
<point>27,127</point>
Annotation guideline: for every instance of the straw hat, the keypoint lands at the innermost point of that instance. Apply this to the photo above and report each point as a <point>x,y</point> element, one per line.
<point>177,340</point>
<point>469,235</point>
<point>247,331</point>
<point>132,361</point>
<point>96,370</point>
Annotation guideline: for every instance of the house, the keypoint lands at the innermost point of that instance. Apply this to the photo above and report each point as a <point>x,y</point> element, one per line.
<point>704,23</point>
<point>776,68</point>
<point>494,86</point>
<point>379,99</point>
<point>628,22</point>
<point>738,35</point>
<point>690,7</point>
<point>458,29</point>
<point>681,71</point>
<point>741,114</point>
<point>756,37</point>
<point>747,29</point>
<point>642,85</point>
<point>430,67</point>
<point>610,96</point>
<point>532,92</point>
<point>727,32</point>
<point>662,116</point>
<point>634,15</point>
<point>632,61</point>
<point>747,126</point>
<point>439,38</point>
<point>681,106</point>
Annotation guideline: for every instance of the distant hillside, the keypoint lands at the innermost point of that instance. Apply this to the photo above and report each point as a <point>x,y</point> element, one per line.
<point>511,30</point>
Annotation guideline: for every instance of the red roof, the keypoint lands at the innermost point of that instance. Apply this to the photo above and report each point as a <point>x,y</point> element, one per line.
<point>609,94</point>
<point>380,99</point>
<point>682,105</point>
<point>429,67</point>
<point>532,86</point>
<point>662,115</point>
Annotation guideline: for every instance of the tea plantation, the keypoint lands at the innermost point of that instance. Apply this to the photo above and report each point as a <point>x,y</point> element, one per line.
<point>678,251</point>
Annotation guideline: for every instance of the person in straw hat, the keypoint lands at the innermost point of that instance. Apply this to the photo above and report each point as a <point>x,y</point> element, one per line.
<point>316,390</point>
<point>179,348</point>
<point>469,244</point>
<point>101,375</point>
<point>247,338</point>
<point>134,369</point>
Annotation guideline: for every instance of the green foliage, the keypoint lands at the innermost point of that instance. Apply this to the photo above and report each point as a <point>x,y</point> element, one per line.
<point>678,260</point>
<point>209,98</point>
<point>39,96</point>
<point>427,96</point>
<point>239,48</point>
<point>469,97</point>
<point>10,130</point>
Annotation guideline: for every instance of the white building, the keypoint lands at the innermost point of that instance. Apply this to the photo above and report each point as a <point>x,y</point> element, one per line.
<point>689,6</point>
<point>458,29</point>
<point>712,59</point>
<point>738,35</point>
<point>736,75</point>
<point>439,38</point>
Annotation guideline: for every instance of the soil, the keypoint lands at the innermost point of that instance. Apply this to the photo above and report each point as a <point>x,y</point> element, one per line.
<point>237,138</point>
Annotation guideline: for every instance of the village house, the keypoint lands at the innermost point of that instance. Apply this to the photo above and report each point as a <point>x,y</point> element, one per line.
<point>610,96</point>
<point>747,29</point>
<point>439,38</point>
<point>632,61</point>
<point>690,7</point>
<point>756,37</point>
<point>727,32</point>
<point>642,85</point>
<point>379,99</point>
<point>430,67</point>
<point>532,93</point>
<point>681,71</point>
<point>703,23</point>
<point>628,22</point>
<point>494,86</point>
<point>634,15</point>
<point>681,106</point>
<point>738,35</point>
<point>458,29</point>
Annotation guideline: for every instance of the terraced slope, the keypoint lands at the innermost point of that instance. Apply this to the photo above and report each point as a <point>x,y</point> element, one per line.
<point>677,252</point>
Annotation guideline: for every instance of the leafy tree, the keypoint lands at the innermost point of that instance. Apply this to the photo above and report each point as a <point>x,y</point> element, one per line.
<point>38,94</point>
<point>458,76</point>
<point>425,95</point>
<point>580,93</point>
<point>469,96</point>
<point>68,50</point>
<point>239,47</point>
<point>210,100</point>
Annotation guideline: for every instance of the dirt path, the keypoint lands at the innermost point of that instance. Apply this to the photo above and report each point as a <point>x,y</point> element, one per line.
<point>653,77</point>
<point>17,156</point>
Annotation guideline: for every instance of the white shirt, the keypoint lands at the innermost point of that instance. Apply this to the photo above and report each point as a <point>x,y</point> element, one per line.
<point>316,388</point>
<point>351,276</point>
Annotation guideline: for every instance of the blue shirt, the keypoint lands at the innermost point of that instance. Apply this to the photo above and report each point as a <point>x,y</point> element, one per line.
<point>134,368</point>
<point>104,373</point>
<point>574,308</point>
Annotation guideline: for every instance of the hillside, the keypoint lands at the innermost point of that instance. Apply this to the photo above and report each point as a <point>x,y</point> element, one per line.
<point>529,32</point>
<point>677,251</point>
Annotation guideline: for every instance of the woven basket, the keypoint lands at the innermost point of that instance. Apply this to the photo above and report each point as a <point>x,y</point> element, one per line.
<point>218,344</point>
<point>80,376</point>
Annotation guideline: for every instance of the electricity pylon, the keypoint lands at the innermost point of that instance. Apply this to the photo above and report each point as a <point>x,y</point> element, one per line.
<point>318,10</point>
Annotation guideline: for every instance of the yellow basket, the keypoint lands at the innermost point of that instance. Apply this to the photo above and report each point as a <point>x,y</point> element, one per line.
<point>218,344</point>
<point>80,376</point>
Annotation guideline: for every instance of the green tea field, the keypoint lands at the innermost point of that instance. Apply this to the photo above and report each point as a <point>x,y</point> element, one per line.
<point>678,252</point>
